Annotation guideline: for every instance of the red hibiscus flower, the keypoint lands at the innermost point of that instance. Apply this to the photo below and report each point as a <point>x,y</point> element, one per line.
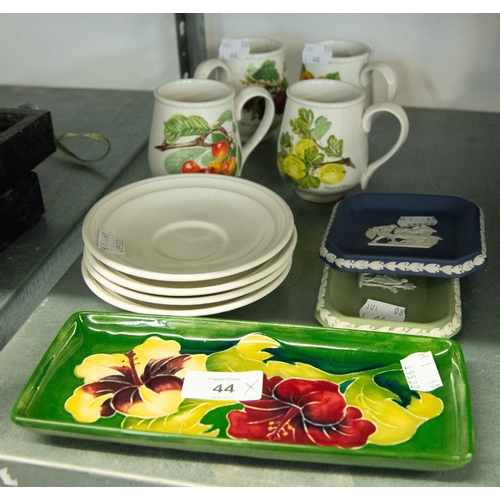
<point>299,411</point>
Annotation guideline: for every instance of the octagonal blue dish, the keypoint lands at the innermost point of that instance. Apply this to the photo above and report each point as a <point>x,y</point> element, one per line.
<point>412,234</point>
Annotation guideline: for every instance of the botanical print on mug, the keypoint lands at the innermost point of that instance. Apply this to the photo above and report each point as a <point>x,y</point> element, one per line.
<point>268,77</point>
<point>310,158</point>
<point>307,75</point>
<point>213,148</point>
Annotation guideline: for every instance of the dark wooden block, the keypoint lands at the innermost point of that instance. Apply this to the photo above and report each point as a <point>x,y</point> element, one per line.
<point>26,139</point>
<point>21,205</point>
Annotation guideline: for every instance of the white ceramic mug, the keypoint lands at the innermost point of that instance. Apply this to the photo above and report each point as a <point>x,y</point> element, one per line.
<point>194,127</point>
<point>323,142</point>
<point>264,65</point>
<point>350,62</point>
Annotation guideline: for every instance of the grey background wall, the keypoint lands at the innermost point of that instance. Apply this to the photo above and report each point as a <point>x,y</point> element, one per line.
<point>109,51</point>
<point>442,60</point>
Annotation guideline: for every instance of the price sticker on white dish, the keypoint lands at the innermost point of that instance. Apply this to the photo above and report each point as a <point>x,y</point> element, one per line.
<point>237,386</point>
<point>374,309</point>
<point>234,48</point>
<point>417,221</point>
<point>109,243</point>
<point>316,53</point>
<point>421,372</point>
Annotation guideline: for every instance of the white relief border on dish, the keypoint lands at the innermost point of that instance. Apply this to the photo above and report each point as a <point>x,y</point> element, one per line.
<point>415,267</point>
<point>447,331</point>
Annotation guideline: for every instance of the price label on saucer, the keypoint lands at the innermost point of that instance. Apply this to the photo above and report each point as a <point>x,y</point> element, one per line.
<point>417,221</point>
<point>421,372</point>
<point>374,309</point>
<point>109,243</point>
<point>237,386</point>
<point>318,53</point>
<point>234,48</point>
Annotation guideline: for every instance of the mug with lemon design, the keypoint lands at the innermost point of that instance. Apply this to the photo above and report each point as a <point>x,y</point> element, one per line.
<point>351,62</point>
<point>323,142</point>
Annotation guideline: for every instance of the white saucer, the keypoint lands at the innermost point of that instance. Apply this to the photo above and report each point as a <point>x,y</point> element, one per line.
<point>142,307</point>
<point>189,289</point>
<point>189,227</point>
<point>184,301</point>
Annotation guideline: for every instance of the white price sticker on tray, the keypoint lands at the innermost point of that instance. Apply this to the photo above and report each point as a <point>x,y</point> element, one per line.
<point>417,221</point>
<point>374,309</point>
<point>316,53</point>
<point>237,386</point>
<point>421,372</point>
<point>109,243</point>
<point>234,48</point>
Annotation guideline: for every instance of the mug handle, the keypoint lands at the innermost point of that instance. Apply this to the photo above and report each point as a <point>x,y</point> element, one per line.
<point>386,71</point>
<point>366,123</point>
<point>265,124</point>
<point>205,68</point>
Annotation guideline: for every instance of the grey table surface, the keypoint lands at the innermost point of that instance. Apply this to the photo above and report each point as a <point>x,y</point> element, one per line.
<point>32,264</point>
<point>447,153</point>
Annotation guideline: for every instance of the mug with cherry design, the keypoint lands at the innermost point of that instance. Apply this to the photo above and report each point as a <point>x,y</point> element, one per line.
<point>195,127</point>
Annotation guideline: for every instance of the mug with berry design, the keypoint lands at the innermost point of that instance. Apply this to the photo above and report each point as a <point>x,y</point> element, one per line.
<point>263,64</point>
<point>323,142</point>
<point>194,127</point>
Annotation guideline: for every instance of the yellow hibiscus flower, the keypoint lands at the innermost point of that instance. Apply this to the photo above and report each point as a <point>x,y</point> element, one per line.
<point>145,382</point>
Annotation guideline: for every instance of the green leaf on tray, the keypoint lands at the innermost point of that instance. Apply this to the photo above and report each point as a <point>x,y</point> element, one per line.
<point>186,420</point>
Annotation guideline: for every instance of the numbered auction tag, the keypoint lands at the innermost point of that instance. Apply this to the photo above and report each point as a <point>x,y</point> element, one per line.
<point>238,386</point>
<point>318,53</point>
<point>373,309</point>
<point>417,221</point>
<point>234,48</point>
<point>109,243</point>
<point>421,372</point>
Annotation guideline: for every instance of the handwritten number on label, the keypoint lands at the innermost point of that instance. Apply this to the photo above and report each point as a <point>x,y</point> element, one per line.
<point>316,53</point>
<point>374,309</point>
<point>234,48</point>
<point>421,372</point>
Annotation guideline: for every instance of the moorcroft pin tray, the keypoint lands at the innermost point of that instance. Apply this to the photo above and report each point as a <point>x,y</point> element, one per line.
<point>262,390</point>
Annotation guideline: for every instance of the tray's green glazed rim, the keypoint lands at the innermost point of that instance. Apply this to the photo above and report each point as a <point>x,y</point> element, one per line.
<point>442,441</point>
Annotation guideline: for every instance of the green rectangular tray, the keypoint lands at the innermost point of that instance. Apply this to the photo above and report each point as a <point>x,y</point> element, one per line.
<point>330,396</point>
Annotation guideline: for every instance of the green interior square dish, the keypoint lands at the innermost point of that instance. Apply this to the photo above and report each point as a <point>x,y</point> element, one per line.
<point>328,396</point>
<point>432,305</point>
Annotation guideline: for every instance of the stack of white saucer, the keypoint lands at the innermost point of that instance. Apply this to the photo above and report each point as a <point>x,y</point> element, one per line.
<point>187,245</point>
